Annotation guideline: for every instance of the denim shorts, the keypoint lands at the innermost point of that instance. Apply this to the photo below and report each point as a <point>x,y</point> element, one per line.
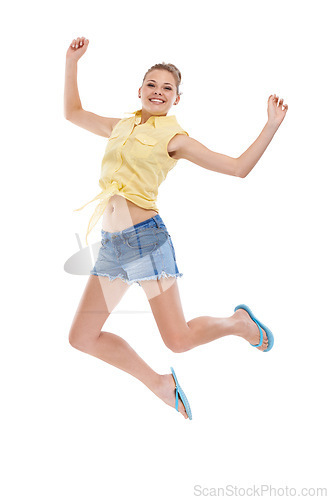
<point>140,252</point>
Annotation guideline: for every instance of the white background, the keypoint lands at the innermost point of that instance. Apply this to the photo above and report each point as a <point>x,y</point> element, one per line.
<point>74,427</point>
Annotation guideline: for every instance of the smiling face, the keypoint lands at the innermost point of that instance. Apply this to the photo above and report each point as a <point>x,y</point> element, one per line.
<point>159,85</point>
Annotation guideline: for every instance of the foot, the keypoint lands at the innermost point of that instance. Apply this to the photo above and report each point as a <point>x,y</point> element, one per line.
<point>250,330</point>
<point>166,391</point>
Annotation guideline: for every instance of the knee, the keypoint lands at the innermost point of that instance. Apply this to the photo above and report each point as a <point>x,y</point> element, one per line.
<point>79,341</point>
<point>74,339</point>
<point>177,344</point>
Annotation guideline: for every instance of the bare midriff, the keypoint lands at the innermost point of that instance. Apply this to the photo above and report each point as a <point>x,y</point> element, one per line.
<point>121,213</point>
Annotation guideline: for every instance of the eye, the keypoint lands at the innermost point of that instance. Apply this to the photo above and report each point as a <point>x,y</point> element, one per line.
<point>152,85</point>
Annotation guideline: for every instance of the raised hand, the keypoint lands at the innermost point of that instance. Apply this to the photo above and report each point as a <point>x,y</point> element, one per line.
<point>77,48</point>
<point>274,110</point>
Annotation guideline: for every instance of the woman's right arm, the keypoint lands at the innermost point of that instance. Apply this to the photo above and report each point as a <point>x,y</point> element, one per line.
<point>73,110</point>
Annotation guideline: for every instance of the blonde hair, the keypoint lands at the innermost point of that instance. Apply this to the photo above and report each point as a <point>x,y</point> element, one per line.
<point>168,67</point>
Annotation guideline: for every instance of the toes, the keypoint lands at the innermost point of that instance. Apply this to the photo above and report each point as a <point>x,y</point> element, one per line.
<point>182,409</point>
<point>265,341</point>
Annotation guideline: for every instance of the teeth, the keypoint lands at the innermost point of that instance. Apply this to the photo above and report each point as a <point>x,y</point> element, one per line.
<point>155,100</point>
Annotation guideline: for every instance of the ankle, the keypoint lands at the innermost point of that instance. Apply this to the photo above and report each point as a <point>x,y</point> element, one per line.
<point>162,384</point>
<point>156,385</point>
<point>242,324</point>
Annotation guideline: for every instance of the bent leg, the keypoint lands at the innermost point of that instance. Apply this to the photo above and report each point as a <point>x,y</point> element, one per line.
<point>99,299</point>
<point>179,335</point>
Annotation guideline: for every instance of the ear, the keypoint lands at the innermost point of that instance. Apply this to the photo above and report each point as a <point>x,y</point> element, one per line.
<point>177,99</point>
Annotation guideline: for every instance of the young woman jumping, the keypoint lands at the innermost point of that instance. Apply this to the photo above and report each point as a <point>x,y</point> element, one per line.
<point>136,246</point>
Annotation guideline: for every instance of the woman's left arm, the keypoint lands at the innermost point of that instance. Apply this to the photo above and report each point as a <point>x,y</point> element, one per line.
<point>183,146</point>
<point>276,114</point>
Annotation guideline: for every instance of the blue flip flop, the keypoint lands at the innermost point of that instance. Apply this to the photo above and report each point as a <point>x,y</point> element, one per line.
<point>180,392</point>
<point>269,334</point>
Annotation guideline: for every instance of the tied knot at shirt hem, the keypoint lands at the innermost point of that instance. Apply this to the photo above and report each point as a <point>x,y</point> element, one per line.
<point>113,188</point>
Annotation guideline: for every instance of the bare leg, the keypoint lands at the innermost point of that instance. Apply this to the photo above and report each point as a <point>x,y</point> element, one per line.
<point>205,329</point>
<point>99,299</point>
<point>116,351</point>
<point>181,336</point>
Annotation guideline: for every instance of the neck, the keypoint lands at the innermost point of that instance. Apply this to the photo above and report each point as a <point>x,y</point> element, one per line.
<point>145,116</point>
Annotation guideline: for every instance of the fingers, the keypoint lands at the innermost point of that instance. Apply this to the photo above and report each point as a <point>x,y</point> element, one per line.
<point>79,42</point>
<point>274,98</point>
<point>276,101</point>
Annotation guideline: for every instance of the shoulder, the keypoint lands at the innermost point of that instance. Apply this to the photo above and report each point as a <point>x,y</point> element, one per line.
<point>120,126</point>
<point>179,144</point>
<point>115,122</point>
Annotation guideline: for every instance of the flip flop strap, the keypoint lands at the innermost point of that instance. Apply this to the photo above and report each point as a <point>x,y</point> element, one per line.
<point>176,404</point>
<point>261,335</point>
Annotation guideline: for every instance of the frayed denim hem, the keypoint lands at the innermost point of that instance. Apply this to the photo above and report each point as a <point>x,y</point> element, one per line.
<point>130,282</point>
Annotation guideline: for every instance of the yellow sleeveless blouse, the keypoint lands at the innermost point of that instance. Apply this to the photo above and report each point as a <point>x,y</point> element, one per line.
<point>136,162</point>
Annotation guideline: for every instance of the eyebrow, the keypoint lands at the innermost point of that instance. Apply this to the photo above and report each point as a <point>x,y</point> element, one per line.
<point>155,81</point>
